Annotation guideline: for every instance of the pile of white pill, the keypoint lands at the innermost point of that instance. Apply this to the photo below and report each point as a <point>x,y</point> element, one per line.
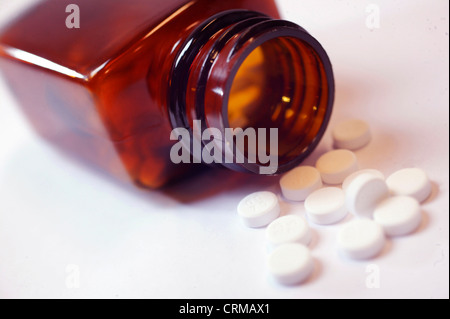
<point>335,187</point>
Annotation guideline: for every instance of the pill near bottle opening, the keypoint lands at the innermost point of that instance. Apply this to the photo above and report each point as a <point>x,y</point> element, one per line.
<point>326,206</point>
<point>364,193</point>
<point>288,229</point>
<point>300,182</point>
<point>412,182</point>
<point>361,239</point>
<point>291,264</point>
<point>259,209</point>
<point>335,166</point>
<point>351,134</point>
<point>398,215</point>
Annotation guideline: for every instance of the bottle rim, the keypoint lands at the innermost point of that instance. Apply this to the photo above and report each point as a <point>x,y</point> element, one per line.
<point>254,30</point>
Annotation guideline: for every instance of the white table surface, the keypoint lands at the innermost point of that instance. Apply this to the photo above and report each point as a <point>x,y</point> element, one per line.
<point>68,233</point>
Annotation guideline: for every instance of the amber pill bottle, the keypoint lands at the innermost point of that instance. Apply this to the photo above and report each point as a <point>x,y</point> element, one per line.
<point>110,91</point>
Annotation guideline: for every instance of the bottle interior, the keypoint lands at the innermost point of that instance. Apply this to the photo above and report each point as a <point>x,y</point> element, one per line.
<point>281,84</point>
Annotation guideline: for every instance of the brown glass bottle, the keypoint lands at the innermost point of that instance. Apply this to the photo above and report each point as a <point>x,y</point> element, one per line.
<point>111,91</point>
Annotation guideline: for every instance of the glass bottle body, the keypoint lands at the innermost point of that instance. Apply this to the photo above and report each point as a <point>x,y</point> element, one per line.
<point>100,92</point>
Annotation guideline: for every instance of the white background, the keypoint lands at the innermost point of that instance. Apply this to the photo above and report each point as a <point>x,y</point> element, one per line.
<point>58,220</point>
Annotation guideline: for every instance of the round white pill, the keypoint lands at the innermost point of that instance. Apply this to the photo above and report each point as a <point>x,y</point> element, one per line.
<point>291,264</point>
<point>288,229</point>
<point>259,209</point>
<point>351,177</point>
<point>412,182</point>
<point>326,206</point>
<point>297,184</point>
<point>351,134</point>
<point>364,193</point>
<point>361,239</point>
<point>398,215</point>
<point>335,166</point>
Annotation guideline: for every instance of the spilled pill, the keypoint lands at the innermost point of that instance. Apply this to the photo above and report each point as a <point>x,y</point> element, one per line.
<point>364,193</point>
<point>361,239</point>
<point>259,209</point>
<point>352,134</point>
<point>291,264</point>
<point>351,177</point>
<point>297,184</point>
<point>326,206</point>
<point>288,229</point>
<point>398,215</point>
<point>336,166</point>
<point>412,182</point>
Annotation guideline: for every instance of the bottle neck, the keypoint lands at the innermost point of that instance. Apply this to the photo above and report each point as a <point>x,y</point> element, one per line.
<point>261,88</point>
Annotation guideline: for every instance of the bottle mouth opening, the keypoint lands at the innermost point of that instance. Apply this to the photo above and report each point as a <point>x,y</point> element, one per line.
<point>268,81</point>
<point>283,83</point>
